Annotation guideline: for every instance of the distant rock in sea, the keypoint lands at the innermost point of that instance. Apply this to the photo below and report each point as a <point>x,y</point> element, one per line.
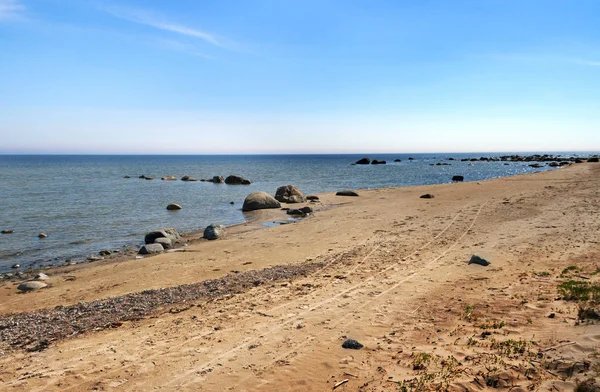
<point>237,180</point>
<point>363,161</point>
<point>173,207</point>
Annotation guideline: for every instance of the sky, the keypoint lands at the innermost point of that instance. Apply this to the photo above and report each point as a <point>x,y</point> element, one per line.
<point>299,76</point>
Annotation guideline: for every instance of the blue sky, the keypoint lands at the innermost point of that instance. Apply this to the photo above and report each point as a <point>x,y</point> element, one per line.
<point>311,76</point>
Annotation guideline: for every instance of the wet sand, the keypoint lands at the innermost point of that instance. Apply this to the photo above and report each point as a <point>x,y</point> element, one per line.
<point>391,272</point>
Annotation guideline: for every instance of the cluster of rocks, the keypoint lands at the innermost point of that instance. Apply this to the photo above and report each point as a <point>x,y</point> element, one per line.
<point>367,161</point>
<point>550,160</point>
<point>284,194</point>
<point>159,240</point>
<point>231,180</point>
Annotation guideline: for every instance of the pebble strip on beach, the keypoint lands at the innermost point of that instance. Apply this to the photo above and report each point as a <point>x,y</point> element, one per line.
<point>35,331</point>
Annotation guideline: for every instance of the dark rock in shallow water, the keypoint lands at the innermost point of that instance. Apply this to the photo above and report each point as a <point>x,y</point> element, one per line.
<point>376,162</point>
<point>149,249</point>
<point>173,207</point>
<point>427,196</point>
<point>259,201</point>
<point>214,232</point>
<point>478,260</point>
<point>346,193</point>
<point>6,231</point>
<point>296,213</point>
<point>289,194</point>
<point>31,286</point>
<point>352,344</point>
<point>188,178</point>
<point>237,180</point>
<point>458,178</point>
<point>169,233</point>
<point>42,235</point>
<point>218,180</point>
<point>397,160</point>
<point>363,161</point>
<point>127,177</point>
<point>169,178</point>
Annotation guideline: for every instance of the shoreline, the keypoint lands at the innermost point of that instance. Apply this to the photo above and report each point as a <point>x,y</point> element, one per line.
<point>391,272</point>
<point>53,252</point>
<point>126,252</point>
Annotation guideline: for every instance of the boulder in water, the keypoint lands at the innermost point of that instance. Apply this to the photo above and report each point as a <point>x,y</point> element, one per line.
<point>289,194</point>
<point>458,178</point>
<point>173,207</point>
<point>236,180</point>
<point>363,161</point>
<point>259,201</point>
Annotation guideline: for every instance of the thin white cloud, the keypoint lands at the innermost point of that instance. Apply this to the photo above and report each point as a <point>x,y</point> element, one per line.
<point>10,9</point>
<point>181,47</point>
<point>159,22</point>
<point>590,63</point>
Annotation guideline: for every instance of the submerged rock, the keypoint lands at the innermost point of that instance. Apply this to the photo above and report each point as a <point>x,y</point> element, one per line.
<point>214,232</point>
<point>259,201</point>
<point>31,286</point>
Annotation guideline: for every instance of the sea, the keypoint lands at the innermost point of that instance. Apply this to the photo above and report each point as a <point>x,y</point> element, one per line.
<point>85,203</point>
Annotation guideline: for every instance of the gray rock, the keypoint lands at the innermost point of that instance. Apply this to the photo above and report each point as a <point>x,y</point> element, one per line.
<point>169,178</point>
<point>363,161</point>
<point>352,344</point>
<point>218,180</point>
<point>259,201</point>
<point>296,213</point>
<point>237,180</point>
<point>289,194</point>
<point>169,233</point>
<point>188,178</point>
<point>214,232</point>
<point>479,260</point>
<point>173,207</point>
<point>15,266</point>
<point>149,249</point>
<point>458,178</point>
<point>346,193</point>
<point>312,197</point>
<point>166,243</point>
<point>306,210</point>
<point>7,231</point>
<point>41,276</point>
<point>42,235</point>
<point>31,286</point>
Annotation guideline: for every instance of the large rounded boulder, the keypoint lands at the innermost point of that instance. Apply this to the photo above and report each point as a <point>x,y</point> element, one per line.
<point>289,194</point>
<point>259,201</point>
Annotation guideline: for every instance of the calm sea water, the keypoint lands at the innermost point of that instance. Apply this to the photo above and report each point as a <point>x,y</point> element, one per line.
<point>85,204</point>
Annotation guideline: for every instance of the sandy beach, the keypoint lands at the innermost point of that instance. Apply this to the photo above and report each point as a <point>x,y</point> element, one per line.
<point>388,269</point>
